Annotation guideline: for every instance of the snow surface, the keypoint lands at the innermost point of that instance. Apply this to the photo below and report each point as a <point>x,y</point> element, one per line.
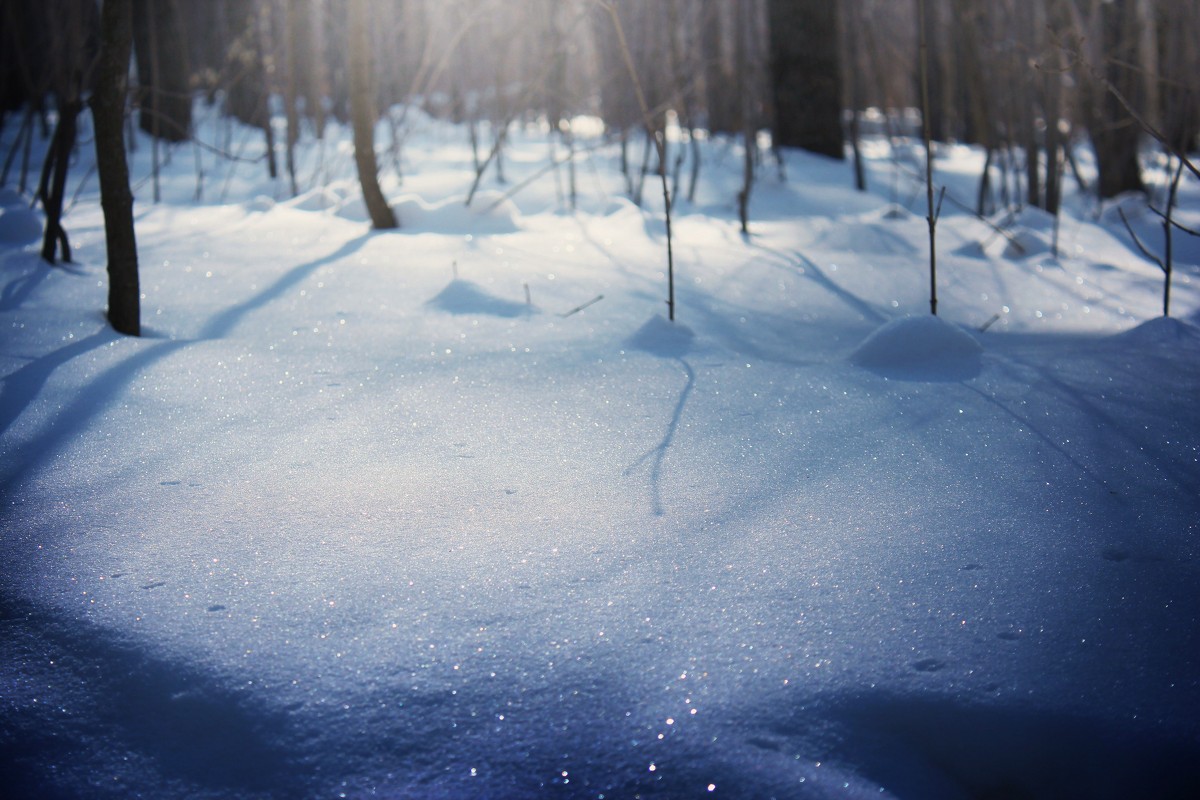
<point>455,511</point>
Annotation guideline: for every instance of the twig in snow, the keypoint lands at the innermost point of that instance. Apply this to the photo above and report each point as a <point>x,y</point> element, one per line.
<point>579,308</point>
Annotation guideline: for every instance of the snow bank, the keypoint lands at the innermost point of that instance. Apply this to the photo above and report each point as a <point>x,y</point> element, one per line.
<point>348,528</point>
<point>19,226</point>
<point>1162,331</point>
<point>464,297</point>
<point>489,213</point>
<point>924,347</point>
<point>663,338</point>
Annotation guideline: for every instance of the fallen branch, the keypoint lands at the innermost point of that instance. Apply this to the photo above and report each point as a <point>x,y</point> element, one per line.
<point>579,308</point>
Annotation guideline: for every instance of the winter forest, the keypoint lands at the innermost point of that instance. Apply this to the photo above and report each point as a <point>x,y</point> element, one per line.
<point>599,398</point>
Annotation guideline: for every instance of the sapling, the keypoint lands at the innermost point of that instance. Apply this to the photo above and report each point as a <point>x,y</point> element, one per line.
<point>660,145</point>
<point>749,129</point>
<point>932,212</point>
<point>1166,261</point>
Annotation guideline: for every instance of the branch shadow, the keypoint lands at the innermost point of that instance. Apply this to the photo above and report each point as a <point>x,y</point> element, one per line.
<point>34,273</point>
<point>22,386</point>
<point>671,342</point>
<point>1121,427</point>
<point>817,275</point>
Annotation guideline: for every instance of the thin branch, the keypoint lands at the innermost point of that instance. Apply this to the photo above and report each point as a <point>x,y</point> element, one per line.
<point>1174,222</point>
<point>554,163</point>
<point>659,144</point>
<point>1138,242</point>
<point>1147,127</point>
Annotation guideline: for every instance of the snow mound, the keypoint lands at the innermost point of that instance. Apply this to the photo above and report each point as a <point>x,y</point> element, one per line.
<point>465,297</point>
<point>261,203</point>
<point>1162,330</point>
<point>604,206</point>
<point>970,249</point>
<point>661,337</point>
<point>10,197</point>
<point>322,198</point>
<point>925,347</point>
<point>1024,243</point>
<point>355,210</point>
<point>864,237</point>
<point>489,213</point>
<point>1034,219</point>
<point>19,226</point>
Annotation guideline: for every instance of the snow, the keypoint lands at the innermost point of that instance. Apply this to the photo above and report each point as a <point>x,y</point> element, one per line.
<point>920,347</point>
<point>455,511</point>
<point>18,224</point>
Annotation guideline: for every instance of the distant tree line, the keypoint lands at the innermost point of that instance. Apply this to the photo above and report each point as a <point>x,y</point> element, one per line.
<point>1001,69</point>
<point>1030,81</point>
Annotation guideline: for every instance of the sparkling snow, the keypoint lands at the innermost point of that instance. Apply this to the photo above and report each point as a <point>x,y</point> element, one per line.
<point>455,511</point>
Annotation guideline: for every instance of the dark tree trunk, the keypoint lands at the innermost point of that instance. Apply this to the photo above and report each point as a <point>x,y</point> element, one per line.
<point>806,75</point>
<point>294,61</point>
<point>164,93</point>
<point>244,79</point>
<point>1115,133</point>
<point>54,179</point>
<point>108,113</point>
<point>248,90</point>
<point>720,80</point>
<point>362,112</point>
<point>938,73</point>
<point>746,113</point>
<point>1179,66</point>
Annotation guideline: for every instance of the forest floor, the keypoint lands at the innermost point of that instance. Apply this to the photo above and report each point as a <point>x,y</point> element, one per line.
<point>455,511</point>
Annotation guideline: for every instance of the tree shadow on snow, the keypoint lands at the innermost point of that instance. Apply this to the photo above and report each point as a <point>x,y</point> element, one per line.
<point>464,297</point>
<point>148,719</point>
<point>33,271</point>
<point>669,341</point>
<point>220,325</point>
<point>941,748</point>
<point>22,386</point>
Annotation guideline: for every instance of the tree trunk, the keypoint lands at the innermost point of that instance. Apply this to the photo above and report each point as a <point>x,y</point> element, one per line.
<point>806,75</point>
<point>720,80</point>
<point>362,112</point>
<point>1115,133</point>
<point>54,179</point>
<point>162,69</point>
<point>293,58</point>
<point>1179,66</point>
<point>749,124</point>
<point>938,73</point>
<point>108,113</point>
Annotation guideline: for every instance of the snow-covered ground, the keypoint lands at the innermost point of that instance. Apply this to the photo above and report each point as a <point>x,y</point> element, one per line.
<point>454,511</point>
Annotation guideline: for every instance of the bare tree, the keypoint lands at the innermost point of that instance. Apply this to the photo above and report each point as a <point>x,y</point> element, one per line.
<point>164,92</point>
<point>362,112</point>
<point>806,75</point>
<point>1114,131</point>
<point>108,112</point>
<point>69,76</point>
